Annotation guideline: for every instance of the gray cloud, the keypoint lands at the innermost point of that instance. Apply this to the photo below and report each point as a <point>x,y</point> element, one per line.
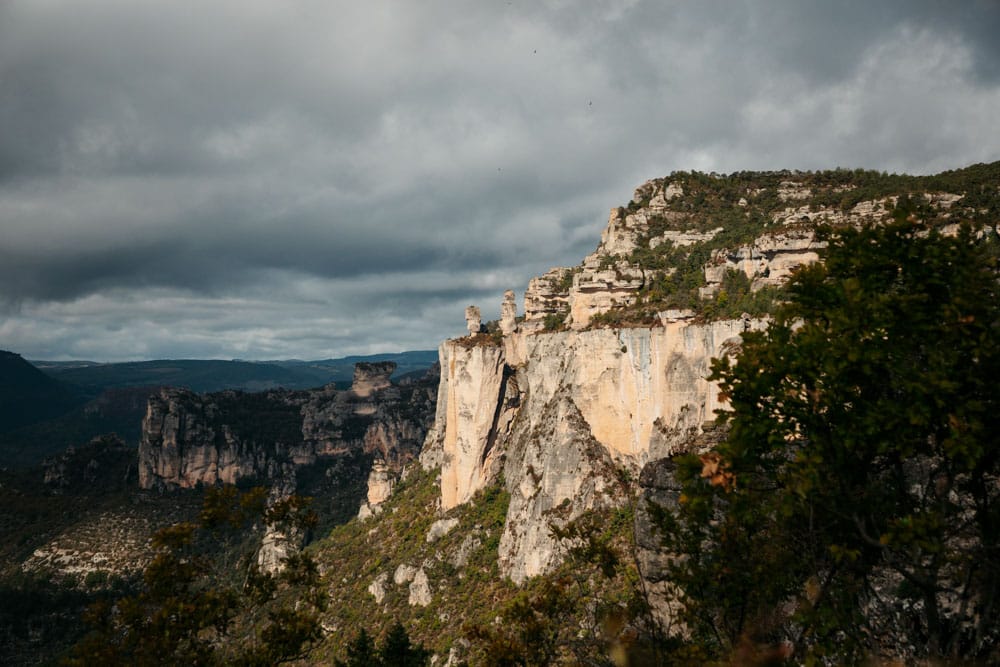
<point>262,179</point>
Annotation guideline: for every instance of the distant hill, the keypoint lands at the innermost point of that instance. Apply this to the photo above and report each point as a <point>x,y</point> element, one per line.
<point>116,410</point>
<point>215,375</point>
<point>342,370</point>
<point>28,396</point>
<point>71,402</point>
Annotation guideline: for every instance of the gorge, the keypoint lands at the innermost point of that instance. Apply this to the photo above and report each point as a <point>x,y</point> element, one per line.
<point>446,499</point>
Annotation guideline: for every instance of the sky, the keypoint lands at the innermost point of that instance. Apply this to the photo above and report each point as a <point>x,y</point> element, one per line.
<point>310,179</point>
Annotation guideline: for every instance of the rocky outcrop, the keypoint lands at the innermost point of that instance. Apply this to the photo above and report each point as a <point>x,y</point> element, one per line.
<point>370,377</point>
<point>557,471</point>
<point>598,288</point>
<point>615,273</point>
<point>381,481</point>
<point>378,587</point>
<point>420,590</point>
<point>276,546</point>
<point>768,261</point>
<point>547,296</point>
<point>440,528</point>
<point>508,313</point>
<point>473,320</point>
<point>104,465</point>
<point>560,413</point>
<point>471,395</point>
<point>190,439</point>
<point>561,408</point>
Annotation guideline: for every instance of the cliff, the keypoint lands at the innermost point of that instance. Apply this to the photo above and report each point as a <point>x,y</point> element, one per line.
<point>606,373</point>
<point>190,439</point>
<point>563,415</point>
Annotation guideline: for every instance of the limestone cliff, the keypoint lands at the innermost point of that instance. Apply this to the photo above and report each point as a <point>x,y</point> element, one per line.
<point>190,439</point>
<point>561,414</point>
<point>607,371</point>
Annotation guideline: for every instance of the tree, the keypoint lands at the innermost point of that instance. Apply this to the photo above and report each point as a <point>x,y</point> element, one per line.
<point>395,651</point>
<point>854,507</point>
<point>591,611</point>
<point>360,652</point>
<point>192,596</point>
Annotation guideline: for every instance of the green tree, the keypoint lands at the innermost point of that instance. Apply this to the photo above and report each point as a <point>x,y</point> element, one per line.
<point>360,652</point>
<point>855,505</point>
<point>191,602</point>
<point>590,612</point>
<point>395,651</point>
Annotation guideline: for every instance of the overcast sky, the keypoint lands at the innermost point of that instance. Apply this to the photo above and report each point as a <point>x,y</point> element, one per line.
<point>308,179</point>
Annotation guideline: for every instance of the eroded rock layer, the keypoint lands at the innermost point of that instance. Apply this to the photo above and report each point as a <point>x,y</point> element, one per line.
<point>190,439</point>
<point>560,414</point>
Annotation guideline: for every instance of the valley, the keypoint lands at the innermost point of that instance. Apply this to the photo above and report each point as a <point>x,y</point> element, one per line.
<point>552,485</point>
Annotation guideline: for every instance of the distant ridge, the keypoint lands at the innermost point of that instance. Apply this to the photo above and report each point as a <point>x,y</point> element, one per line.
<point>28,395</point>
<point>207,375</point>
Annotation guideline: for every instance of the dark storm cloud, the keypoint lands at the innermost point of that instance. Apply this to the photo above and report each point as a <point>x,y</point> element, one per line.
<point>267,179</point>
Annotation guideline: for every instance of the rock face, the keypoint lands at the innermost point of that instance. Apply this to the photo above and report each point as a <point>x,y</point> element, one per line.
<point>377,587</point>
<point>104,465</point>
<point>508,313</point>
<point>187,441</point>
<point>768,261</point>
<point>659,487</point>
<point>547,295</point>
<point>190,439</point>
<point>558,471</point>
<point>381,481</point>
<point>276,546</point>
<point>614,273</point>
<point>473,321</point>
<point>560,413</point>
<point>473,384</point>
<point>420,590</point>
<point>440,528</point>
<point>561,408</point>
<point>371,377</point>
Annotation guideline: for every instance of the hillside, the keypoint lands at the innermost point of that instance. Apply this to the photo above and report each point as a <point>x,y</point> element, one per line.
<point>28,396</point>
<point>576,413</point>
<point>716,246</point>
<point>117,411</point>
<point>42,413</point>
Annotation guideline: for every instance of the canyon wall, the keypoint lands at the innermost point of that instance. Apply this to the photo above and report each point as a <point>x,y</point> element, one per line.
<point>190,439</point>
<point>607,371</point>
<point>562,415</point>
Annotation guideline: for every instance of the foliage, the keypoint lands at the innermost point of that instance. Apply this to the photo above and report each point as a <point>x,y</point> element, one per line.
<point>735,297</point>
<point>188,607</point>
<point>742,206</point>
<point>590,611</point>
<point>396,651</point>
<point>555,321</point>
<point>359,552</point>
<point>855,505</point>
<point>565,281</point>
<point>361,652</point>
